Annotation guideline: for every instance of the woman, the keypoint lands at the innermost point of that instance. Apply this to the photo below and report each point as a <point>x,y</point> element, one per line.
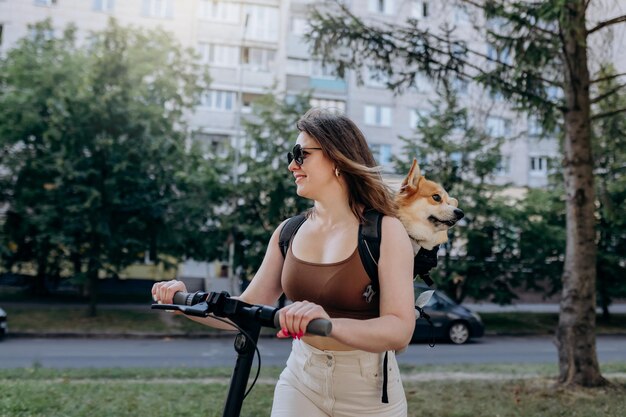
<point>339,375</point>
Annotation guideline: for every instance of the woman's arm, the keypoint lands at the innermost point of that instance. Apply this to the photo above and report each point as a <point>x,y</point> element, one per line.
<point>394,328</point>
<point>265,287</point>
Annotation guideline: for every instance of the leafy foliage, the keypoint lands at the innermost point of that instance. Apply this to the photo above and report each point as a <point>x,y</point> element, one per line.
<point>93,149</point>
<point>265,194</point>
<point>463,158</point>
<point>539,60</point>
<point>609,140</point>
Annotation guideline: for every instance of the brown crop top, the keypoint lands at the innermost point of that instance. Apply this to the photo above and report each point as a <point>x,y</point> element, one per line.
<point>338,286</point>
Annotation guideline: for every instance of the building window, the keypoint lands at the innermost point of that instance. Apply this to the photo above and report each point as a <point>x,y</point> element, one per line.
<point>378,115</point>
<point>298,66</point>
<point>225,12</point>
<point>419,9</point>
<point>375,78</point>
<point>46,2</point>
<point>382,153</point>
<point>381,6</point>
<point>218,100</point>
<point>458,49</point>
<point>262,23</point>
<point>495,95</point>
<point>34,33</point>
<point>498,126</point>
<point>318,70</point>
<point>257,59</point>
<point>103,5</point>
<point>534,127</point>
<point>158,8</point>
<point>415,116</point>
<point>299,26</point>
<point>538,165</point>
<point>212,144</point>
<point>248,100</point>
<point>460,85</point>
<point>219,55</point>
<point>422,83</point>
<point>461,15</point>
<point>336,106</point>
<point>504,165</point>
<point>499,55</point>
<point>554,93</point>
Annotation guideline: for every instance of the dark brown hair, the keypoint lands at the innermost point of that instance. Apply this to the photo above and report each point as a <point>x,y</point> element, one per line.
<point>344,143</point>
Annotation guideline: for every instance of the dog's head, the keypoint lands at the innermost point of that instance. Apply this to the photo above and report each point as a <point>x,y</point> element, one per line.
<point>425,208</point>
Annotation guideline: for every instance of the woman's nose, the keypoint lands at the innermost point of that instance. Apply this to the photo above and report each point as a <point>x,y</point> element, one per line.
<point>293,166</point>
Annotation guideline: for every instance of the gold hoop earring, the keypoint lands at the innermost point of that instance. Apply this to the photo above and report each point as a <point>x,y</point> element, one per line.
<point>336,172</point>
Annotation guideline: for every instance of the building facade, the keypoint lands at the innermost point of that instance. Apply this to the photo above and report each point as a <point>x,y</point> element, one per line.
<point>256,46</point>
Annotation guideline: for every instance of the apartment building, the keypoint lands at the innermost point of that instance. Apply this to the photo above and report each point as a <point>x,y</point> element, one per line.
<point>253,46</point>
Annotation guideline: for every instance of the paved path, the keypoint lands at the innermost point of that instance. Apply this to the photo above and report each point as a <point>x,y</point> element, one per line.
<point>85,353</point>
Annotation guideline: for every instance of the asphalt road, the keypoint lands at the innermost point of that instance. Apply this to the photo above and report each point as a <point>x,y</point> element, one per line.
<point>86,353</point>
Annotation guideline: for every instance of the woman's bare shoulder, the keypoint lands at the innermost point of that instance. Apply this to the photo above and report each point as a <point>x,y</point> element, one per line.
<point>394,226</point>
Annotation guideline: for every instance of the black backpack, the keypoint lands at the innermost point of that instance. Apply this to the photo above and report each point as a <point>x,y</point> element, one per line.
<point>368,246</point>
<point>369,250</point>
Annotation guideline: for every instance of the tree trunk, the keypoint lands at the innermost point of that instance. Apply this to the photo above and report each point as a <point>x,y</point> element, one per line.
<point>39,287</point>
<point>92,287</point>
<point>575,336</point>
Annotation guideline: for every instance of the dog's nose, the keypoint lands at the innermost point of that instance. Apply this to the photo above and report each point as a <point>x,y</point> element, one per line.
<point>459,214</point>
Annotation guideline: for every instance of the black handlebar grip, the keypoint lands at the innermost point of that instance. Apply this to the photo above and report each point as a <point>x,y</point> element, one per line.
<point>183,298</point>
<point>320,327</point>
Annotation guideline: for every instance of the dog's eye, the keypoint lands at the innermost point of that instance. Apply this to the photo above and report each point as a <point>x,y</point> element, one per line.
<point>437,197</point>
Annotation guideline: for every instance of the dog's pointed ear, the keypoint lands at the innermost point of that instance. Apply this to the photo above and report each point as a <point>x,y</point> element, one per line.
<point>411,181</point>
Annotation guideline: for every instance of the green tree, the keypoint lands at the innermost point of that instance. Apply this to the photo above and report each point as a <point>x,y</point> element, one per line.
<point>540,221</point>
<point>264,193</point>
<point>609,148</point>
<point>93,141</point>
<point>538,60</point>
<point>464,159</point>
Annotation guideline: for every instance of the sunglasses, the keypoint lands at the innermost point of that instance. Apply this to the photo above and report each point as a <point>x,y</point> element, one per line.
<point>297,154</point>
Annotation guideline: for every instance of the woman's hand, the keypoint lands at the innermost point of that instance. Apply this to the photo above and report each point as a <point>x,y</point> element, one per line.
<point>163,292</point>
<point>295,317</point>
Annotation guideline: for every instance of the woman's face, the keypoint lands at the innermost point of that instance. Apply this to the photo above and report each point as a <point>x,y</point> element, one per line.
<point>316,171</point>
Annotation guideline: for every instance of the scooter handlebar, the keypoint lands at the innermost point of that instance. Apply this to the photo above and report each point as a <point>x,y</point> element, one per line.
<point>320,327</point>
<point>184,298</point>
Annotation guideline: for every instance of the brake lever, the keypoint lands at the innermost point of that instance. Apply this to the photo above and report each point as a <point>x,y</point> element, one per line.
<point>197,310</point>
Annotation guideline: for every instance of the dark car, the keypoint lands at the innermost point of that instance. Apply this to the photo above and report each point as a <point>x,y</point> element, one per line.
<point>451,321</point>
<point>4,327</point>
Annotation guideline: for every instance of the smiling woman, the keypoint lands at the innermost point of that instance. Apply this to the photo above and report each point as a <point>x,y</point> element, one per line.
<point>354,370</point>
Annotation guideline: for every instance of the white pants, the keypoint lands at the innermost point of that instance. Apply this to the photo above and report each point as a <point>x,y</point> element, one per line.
<point>337,383</point>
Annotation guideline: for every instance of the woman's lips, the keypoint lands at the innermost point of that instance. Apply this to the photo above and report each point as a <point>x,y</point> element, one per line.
<point>299,177</point>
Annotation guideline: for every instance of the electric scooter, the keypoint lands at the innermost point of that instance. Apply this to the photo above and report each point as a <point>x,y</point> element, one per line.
<point>248,319</point>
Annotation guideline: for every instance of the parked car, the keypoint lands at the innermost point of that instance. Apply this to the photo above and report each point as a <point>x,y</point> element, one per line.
<point>4,326</point>
<point>451,321</point>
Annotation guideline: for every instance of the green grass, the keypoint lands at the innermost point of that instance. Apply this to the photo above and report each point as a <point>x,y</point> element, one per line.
<point>543,323</point>
<point>46,318</point>
<point>40,318</point>
<point>38,392</point>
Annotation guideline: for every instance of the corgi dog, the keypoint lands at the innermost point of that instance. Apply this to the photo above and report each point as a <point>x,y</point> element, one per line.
<point>426,210</point>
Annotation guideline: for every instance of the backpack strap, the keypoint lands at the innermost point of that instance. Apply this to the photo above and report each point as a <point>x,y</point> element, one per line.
<point>288,231</point>
<point>369,244</point>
